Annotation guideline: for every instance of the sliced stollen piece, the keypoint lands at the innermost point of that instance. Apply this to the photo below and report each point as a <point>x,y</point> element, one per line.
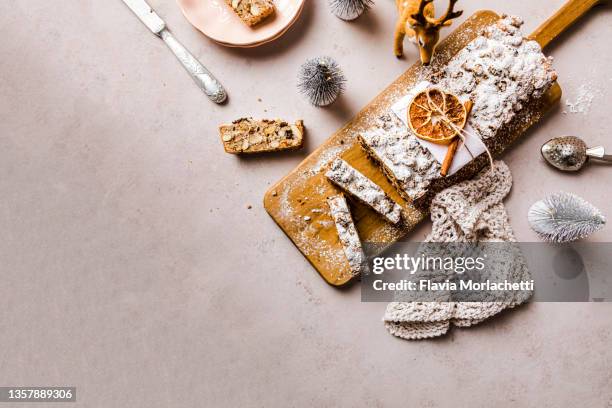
<point>365,190</point>
<point>248,135</point>
<point>407,164</point>
<point>252,11</point>
<point>347,233</point>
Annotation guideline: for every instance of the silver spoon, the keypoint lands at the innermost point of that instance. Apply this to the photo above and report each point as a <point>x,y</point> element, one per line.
<point>570,153</point>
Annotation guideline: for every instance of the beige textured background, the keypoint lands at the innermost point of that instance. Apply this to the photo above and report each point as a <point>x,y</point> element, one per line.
<point>131,267</point>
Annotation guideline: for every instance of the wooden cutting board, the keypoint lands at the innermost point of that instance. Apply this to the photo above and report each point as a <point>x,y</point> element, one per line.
<point>298,202</point>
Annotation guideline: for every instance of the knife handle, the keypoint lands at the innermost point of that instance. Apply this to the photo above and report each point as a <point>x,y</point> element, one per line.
<point>202,77</point>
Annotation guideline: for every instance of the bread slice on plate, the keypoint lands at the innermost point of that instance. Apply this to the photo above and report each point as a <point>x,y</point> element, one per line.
<point>252,12</point>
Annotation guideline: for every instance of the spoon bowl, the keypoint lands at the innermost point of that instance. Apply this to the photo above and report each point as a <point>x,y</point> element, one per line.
<point>570,153</point>
<point>566,153</point>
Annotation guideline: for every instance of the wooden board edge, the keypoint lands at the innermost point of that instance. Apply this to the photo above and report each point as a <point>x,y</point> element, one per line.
<point>269,196</point>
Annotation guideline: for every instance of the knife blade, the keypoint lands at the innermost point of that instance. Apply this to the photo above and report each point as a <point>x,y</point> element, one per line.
<point>146,14</point>
<point>201,76</point>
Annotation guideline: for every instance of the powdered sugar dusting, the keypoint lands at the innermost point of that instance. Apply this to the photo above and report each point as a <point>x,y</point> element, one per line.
<point>408,165</point>
<point>584,100</point>
<point>500,72</point>
<point>327,157</point>
<point>347,233</point>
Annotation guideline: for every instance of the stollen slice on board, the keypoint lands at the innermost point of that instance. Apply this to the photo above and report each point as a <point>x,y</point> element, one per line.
<point>363,189</point>
<point>347,234</point>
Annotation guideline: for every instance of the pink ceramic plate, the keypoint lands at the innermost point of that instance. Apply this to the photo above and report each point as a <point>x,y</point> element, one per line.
<point>217,21</point>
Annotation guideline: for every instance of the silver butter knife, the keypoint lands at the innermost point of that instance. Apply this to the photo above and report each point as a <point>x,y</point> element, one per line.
<point>202,77</point>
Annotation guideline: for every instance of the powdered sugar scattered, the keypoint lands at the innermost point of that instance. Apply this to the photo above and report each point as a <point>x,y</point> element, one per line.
<point>286,207</point>
<point>327,157</point>
<point>584,100</point>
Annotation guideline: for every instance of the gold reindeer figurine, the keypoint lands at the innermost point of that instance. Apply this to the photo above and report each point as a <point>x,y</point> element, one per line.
<point>417,21</point>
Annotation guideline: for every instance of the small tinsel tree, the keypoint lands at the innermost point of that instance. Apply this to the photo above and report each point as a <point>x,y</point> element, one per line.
<point>564,217</point>
<point>321,80</point>
<point>349,9</point>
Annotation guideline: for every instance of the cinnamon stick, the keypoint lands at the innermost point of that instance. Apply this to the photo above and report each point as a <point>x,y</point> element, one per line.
<point>452,148</point>
<point>450,155</point>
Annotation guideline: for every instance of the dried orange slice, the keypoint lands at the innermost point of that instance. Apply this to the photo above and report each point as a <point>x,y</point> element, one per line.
<point>431,113</point>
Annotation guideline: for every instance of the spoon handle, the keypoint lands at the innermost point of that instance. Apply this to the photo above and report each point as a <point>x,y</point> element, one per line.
<point>599,153</point>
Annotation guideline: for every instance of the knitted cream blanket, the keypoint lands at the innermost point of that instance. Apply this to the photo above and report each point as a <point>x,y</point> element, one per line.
<point>471,211</point>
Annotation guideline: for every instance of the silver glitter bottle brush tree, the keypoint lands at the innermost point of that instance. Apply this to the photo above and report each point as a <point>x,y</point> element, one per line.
<point>349,9</point>
<point>564,217</point>
<point>321,80</point>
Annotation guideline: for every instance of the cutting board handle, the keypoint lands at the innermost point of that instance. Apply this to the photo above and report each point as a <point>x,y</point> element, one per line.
<point>562,20</point>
